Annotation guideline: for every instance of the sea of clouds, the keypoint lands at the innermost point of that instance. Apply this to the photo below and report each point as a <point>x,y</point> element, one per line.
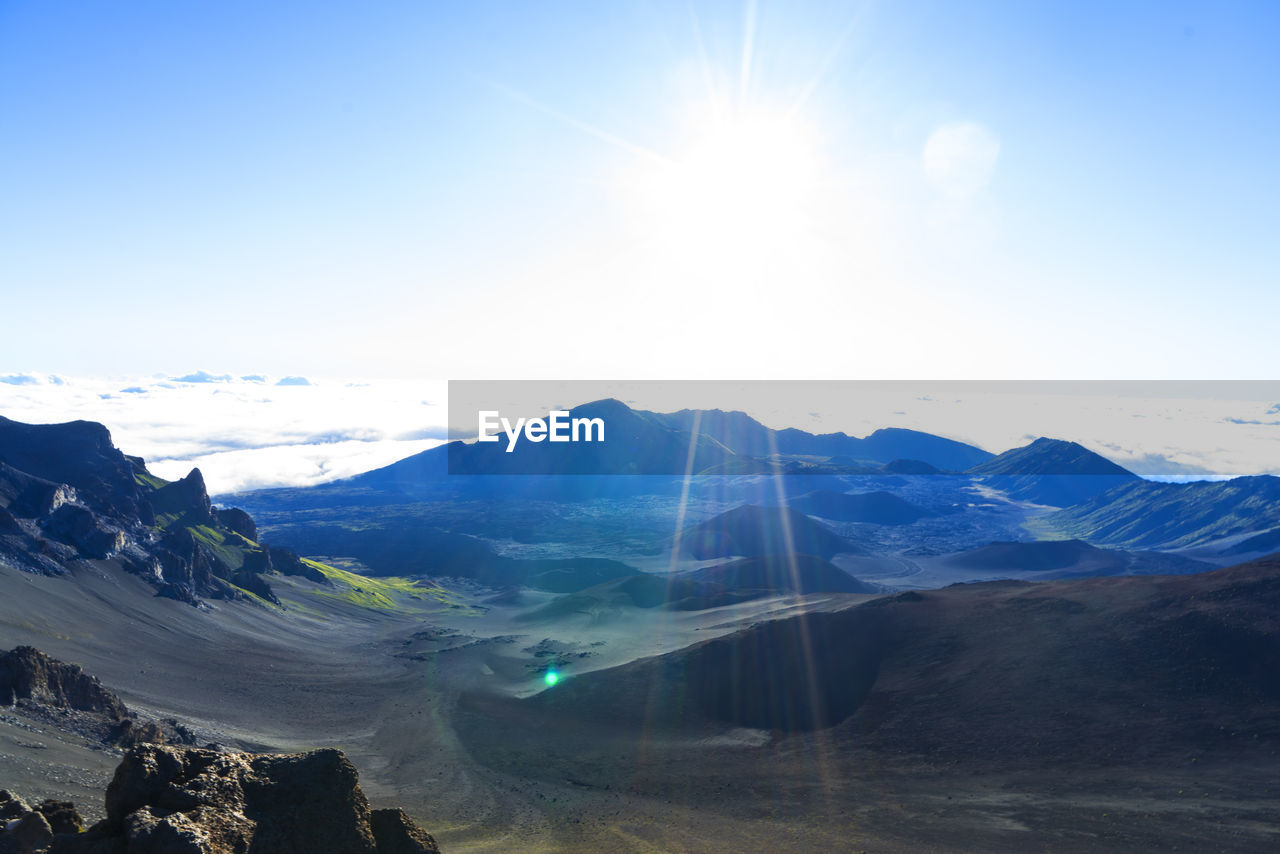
<point>243,432</point>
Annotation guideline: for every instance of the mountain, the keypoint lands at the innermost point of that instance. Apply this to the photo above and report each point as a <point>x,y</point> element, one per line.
<point>1150,515</point>
<point>638,442</point>
<point>1053,472</point>
<point>890,444</point>
<point>772,574</point>
<point>748,437</point>
<point>1085,671</point>
<point>1265,543</point>
<point>755,531</point>
<point>68,495</point>
<point>878,508</point>
<point>1072,559</point>
<point>635,443</point>
<point>37,458</point>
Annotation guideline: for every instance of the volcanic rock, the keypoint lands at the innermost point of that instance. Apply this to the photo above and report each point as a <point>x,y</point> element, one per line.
<point>171,800</point>
<point>26,673</point>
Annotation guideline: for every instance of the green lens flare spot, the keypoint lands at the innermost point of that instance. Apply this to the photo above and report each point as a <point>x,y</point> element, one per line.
<point>551,678</point>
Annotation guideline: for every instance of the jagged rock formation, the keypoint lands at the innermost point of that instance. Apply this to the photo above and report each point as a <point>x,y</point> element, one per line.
<point>168,800</point>
<point>67,494</point>
<point>48,689</point>
<point>239,521</point>
<point>26,673</point>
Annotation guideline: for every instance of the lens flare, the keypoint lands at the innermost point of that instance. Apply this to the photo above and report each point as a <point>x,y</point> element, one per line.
<point>551,677</point>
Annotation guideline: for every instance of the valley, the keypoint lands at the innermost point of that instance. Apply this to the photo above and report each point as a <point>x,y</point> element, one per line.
<point>839,660</point>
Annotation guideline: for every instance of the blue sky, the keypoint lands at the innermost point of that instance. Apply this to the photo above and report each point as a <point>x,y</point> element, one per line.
<point>828,190</point>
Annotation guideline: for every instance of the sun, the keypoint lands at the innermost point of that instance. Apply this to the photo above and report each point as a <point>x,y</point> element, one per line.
<point>742,177</point>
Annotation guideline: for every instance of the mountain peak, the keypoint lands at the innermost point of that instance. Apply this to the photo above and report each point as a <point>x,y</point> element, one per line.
<point>1046,456</point>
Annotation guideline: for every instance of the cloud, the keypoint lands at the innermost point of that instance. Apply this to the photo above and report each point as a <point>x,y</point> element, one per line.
<point>959,158</point>
<point>19,379</point>
<point>1254,422</point>
<point>1275,410</point>
<point>427,433</point>
<point>133,389</point>
<point>203,377</point>
<point>254,378</point>
<point>1156,466</point>
<point>294,381</point>
<point>228,472</point>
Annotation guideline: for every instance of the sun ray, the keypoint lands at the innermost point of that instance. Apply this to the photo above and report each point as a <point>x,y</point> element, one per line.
<point>829,60</point>
<point>585,127</point>
<point>704,62</point>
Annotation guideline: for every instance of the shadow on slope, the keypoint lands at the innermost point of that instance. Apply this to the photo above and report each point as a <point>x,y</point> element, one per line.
<point>1094,670</point>
<point>710,587</point>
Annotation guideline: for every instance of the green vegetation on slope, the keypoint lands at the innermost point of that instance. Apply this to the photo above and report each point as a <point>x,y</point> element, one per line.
<point>391,594</point>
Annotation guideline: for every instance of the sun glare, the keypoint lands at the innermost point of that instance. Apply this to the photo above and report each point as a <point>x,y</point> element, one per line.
<point>743,178</point>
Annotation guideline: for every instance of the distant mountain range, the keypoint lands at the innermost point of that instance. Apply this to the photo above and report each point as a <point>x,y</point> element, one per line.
<point>747,437</point>
<point>651,443</point>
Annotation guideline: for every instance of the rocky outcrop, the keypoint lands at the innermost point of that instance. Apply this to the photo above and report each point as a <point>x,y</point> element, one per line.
<point>67,494</point>
<point>284,561</point>
<point>184,562</point>
<point>169,800</point>
<point>235,519</point>
<point>26,673</point>
<point>79,454</point>
<point>78,526</point>
<point>186,500</point>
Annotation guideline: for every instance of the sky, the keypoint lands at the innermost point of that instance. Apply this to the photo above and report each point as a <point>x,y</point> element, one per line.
<point>423,191</point>
<point>640,190</point>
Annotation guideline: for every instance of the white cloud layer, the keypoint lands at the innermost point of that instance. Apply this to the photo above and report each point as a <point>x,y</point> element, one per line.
<point>248,432</point>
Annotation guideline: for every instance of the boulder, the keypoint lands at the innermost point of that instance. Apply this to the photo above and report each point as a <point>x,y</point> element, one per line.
<point>11,807</point>
<point>28,833</point>
<point>395,833</point>
<point>175,800</point>
<point>63,817</point>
